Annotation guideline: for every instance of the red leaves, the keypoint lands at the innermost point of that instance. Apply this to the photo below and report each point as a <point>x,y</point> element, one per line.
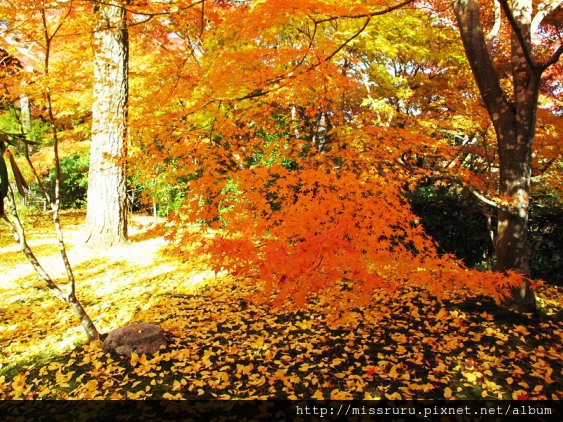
<point>522,396</point>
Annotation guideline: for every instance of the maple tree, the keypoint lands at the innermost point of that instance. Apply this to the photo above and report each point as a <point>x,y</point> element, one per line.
<point>287,142</point>
<point>292,129</point>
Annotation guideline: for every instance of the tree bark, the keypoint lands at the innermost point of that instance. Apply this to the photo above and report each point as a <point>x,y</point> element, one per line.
<point>514,122</point>
<point>106,217</point>
<point>25,118</point>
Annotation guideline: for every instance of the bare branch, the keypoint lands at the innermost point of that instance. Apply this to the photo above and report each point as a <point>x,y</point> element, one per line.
<point>348,40</point>
<point>142,13</point>
<point>485,199</point>
<point>367,15</point>
<point>544,9</point>
<point>553,59</point>
<point>519,35</point>
<point>496,27</point>
<point>202,19</point>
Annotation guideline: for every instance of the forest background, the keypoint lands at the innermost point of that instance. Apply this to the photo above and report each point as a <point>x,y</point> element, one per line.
<point>318,151</point>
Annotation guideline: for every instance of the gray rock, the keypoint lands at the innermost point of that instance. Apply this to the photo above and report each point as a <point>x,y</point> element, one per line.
<point>139,338</point>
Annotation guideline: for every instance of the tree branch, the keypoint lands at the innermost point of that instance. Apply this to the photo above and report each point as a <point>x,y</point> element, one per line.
<point>496,27</point>
<point>485,199</point>
<point>473,38</point>
<point>138,12</point>
<point>260,92</point>
<point>366,15</point>
<point>544,9</point>
<point>519,35</point>
<point>553,59</point>
<point>345,43</point>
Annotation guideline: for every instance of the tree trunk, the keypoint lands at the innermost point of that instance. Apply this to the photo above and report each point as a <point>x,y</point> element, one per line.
<point>106,218</point>
<point>514,122</point>
<point>25,109</point>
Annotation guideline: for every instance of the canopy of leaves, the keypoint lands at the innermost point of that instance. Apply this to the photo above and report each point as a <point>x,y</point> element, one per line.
<point>281,152</point>
<point>292,129</point>
<point>293,126</point>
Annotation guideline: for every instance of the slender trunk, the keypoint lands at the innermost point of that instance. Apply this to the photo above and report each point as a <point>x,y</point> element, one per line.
<point>68,297</point>
<point>25,118</point>
<point>106,217</point>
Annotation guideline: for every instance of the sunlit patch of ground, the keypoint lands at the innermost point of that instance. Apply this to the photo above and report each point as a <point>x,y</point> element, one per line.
<point>113,285</point>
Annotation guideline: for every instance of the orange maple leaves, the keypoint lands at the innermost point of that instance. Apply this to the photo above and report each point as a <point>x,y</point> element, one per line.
<point>287,176</point>
<point>306,226</point>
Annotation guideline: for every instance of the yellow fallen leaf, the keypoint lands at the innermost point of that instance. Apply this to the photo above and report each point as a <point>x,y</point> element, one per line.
<point>337,394</point>
<point>258,382</point>
<point>393,372</point>
<point>547,376</point>
<point>168,396</point>
<point>134,359</point>
<point>521,329</point>
<point>222,376</point>
<point>447,393</point>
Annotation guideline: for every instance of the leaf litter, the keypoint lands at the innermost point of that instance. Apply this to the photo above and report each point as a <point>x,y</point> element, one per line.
<point>223,345</point>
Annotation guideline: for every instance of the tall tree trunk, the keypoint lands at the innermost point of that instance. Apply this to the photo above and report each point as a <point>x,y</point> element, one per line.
<point>515,150</point>
<point>514,122</point>
<point>106,218</point>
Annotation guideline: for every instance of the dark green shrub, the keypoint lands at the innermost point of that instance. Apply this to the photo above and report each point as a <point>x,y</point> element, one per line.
<point>546,238</point>
<point>454,218</point>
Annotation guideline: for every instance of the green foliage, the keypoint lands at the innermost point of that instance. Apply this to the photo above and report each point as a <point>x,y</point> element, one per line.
<point>169,199</point>
<point>456,221</point>
<point>546,237</point>
<point>10,123</point>
<point>144,193</point>
<point>74,183</point>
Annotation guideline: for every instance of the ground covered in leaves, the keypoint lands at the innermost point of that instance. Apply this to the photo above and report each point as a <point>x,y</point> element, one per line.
<point>223,345</point>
